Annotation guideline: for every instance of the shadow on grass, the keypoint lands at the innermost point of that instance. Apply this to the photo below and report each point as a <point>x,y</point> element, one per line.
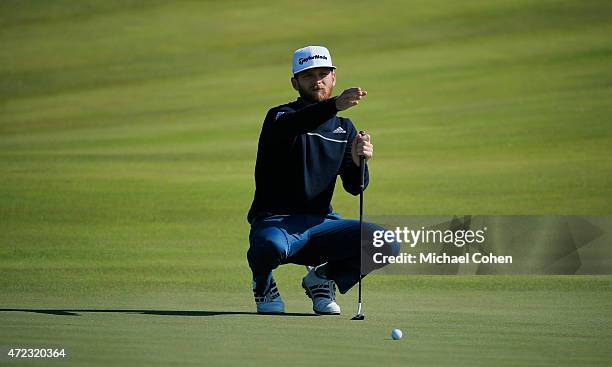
<point>65,312</point>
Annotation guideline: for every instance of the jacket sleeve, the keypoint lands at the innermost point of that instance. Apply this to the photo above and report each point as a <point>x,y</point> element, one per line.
<point>349,171</point>
<point>285,122</point>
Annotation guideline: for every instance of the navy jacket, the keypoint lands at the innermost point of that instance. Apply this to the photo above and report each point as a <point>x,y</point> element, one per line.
<point>302,150</point>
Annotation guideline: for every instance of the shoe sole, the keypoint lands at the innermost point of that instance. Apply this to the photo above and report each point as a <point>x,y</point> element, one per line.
<point>315,311</point>
<point>326,313</point>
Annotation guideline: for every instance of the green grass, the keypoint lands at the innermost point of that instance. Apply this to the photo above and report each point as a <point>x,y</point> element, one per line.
<point>447,321</point>
<point>128,133</point>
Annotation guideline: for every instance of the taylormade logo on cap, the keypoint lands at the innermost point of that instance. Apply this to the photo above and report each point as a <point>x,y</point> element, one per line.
<point>311,57</point>
<point>301,61</point>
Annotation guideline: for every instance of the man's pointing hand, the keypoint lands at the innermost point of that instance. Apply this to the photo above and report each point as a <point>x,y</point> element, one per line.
<point>349,98</point>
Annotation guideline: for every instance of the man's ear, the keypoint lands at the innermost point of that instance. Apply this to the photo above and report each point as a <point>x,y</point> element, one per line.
<point>333,74</point>
<point>294,83</point>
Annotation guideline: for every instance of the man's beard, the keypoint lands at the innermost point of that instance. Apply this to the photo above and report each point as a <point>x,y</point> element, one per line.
<point>314,96</point>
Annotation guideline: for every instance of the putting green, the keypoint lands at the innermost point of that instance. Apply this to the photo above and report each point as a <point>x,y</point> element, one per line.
<point>128,135</point>
<point>447,321</point>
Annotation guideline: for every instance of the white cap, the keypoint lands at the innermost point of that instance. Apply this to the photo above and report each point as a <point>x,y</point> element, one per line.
<point>311,57</point>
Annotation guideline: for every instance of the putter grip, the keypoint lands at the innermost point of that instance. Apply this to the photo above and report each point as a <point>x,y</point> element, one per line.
<point>362,166</point>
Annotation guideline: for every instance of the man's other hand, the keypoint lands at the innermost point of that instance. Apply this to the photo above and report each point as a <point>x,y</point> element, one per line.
<point>362,147</point>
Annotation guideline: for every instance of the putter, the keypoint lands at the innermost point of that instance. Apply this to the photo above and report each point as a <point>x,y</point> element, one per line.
<point>359,315</point>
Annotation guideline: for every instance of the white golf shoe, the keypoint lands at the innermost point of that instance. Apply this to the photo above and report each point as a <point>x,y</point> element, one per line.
<point>271,302</point>
<point>322,292</point>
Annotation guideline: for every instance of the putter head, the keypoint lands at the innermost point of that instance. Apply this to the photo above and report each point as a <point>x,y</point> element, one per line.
<point>358,316</point>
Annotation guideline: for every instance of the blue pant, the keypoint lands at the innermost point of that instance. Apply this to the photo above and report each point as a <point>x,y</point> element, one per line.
<point>307,240</point>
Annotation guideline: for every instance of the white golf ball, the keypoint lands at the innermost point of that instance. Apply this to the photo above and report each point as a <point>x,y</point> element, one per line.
<point>396,334</point>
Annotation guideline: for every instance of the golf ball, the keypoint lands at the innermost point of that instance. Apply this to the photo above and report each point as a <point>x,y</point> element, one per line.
<point>396,334</point>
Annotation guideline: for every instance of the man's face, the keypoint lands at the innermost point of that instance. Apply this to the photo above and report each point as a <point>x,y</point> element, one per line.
<point>316,84</point>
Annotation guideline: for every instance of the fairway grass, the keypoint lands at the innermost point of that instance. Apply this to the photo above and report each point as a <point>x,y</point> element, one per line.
<point>128,134</point>
<point>447,321</point>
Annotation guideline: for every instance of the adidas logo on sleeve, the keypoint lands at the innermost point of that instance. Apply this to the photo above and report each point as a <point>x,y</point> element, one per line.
<point>339,130</point>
